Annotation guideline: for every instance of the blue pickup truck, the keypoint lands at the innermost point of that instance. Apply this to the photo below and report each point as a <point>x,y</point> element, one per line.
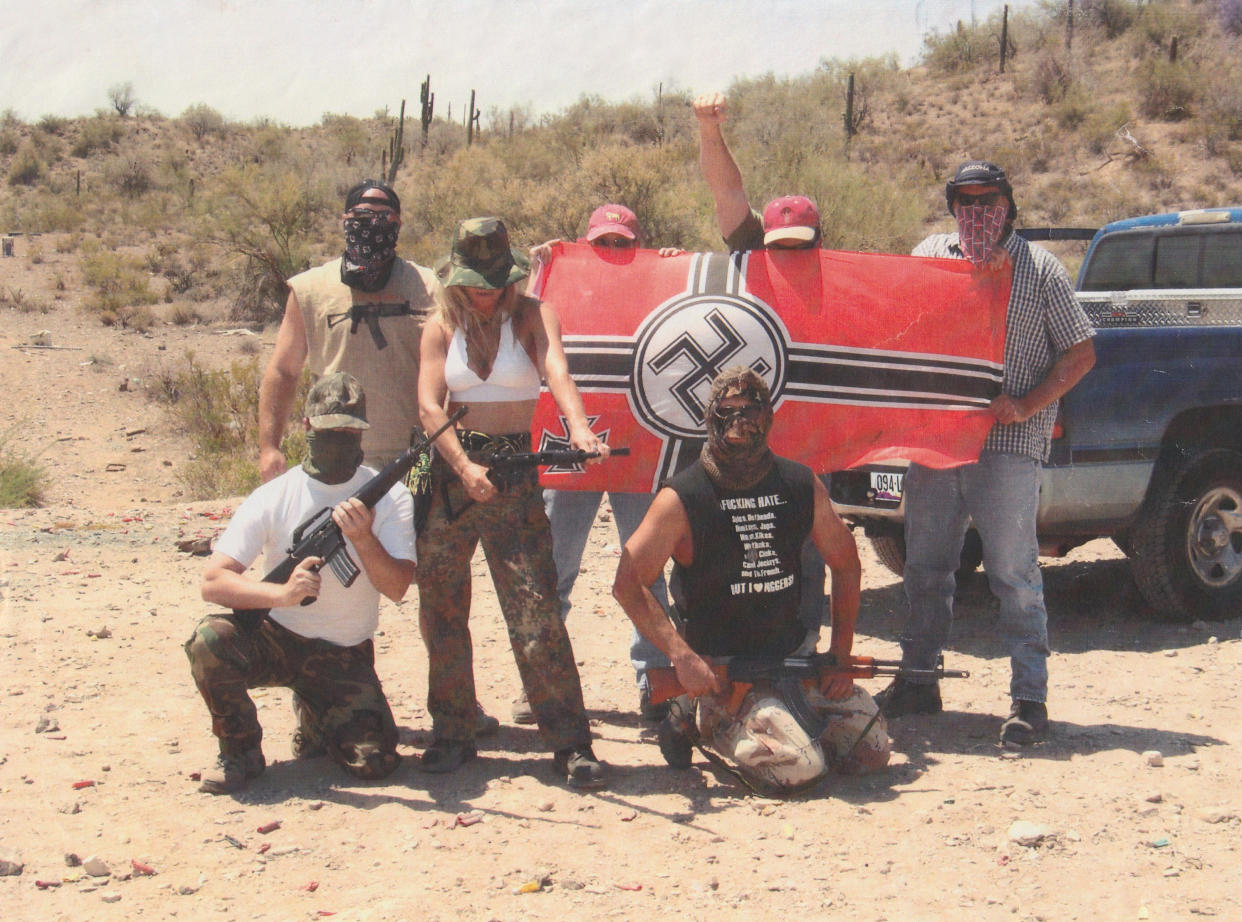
<point>1148,447</point>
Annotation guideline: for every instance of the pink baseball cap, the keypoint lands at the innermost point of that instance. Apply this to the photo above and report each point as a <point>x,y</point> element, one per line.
<point>790,217</point>
<point>612,219</point>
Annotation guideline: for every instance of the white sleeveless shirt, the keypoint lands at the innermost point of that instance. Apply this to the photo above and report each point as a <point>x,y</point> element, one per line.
<point>513,375</point>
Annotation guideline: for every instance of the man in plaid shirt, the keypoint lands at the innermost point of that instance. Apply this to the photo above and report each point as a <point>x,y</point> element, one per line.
<point>1047,351</point>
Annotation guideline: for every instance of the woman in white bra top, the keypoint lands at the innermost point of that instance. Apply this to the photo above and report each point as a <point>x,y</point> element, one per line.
<point>487,346</point>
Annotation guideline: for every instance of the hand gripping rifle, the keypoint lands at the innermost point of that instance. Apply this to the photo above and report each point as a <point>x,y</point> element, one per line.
<point>319,536</point>
<point>788,677</point>
<point>505,468</point>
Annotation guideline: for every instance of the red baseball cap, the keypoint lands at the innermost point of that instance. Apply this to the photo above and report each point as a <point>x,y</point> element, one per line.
<point>612,219</point>
<point>790,217</point>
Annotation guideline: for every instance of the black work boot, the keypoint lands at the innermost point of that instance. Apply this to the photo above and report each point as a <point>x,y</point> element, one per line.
<point>1027,723</point>
<point>902,698</point>
<point>677,733</point>
<point>580,767</point>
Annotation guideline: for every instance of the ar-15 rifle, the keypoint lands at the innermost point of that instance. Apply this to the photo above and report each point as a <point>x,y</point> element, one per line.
<point>319,536</point>
<point>738,674</point>
<point>504,468</point>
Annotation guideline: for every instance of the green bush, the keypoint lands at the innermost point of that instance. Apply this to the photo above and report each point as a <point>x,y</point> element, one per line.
<point>119,287</point>
<point>26,168</point>
<point>95,134</point>
<point>219,411</point>
<point>22,478</point>
<point>202,120</point>
<point>1168,89</point>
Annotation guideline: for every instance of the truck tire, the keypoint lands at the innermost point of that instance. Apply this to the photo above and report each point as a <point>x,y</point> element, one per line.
<point>891,550</point>
<point>1187,541</point>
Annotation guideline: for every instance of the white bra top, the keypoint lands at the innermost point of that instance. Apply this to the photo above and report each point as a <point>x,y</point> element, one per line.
<point>513,377</point>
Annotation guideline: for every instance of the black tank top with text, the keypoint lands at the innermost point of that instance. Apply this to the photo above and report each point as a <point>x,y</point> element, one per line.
<point>741,593</point>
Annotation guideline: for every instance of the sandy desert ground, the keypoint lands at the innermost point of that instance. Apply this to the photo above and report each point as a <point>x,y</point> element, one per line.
<point>101,728</point>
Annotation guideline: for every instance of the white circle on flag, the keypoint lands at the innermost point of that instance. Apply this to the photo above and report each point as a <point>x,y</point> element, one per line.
<point>683,344</point>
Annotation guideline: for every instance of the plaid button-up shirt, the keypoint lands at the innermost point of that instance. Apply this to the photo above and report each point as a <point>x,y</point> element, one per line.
<point>1043,320</point>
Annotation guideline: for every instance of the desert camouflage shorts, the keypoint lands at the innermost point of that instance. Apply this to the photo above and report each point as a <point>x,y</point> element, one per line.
<point>770,748</point>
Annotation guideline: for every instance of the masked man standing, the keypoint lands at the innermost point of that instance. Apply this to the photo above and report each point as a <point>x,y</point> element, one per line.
<point>362,313</point>
<point>1047,351</point>
<point>734,524</point>
<point>317,637</point>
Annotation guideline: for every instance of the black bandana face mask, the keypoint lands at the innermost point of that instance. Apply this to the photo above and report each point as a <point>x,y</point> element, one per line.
<point>370,248</point>
<point>333,455</point>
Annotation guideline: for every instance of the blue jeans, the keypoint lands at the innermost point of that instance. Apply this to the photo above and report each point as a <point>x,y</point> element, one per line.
<point>811,608</point>
<point>1000,494</point>
<point>572,513</point>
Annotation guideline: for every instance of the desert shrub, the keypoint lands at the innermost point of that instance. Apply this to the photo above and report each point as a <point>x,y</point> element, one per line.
<point>265,216</point>
<point>1229,14</point>
<point>183,315</point>
<point>1052,78</point>
<point>202,120</point>
<point>1098,130</point>
<point>219,411</point>
<point>350,136</point>
<point>10,141</point>
<point>54,124</point>
<point>95,134</point>
<point>26,168</point>
<point>130,176</point>
<point>119,286</point>
<point>22,478</point>
<point>17,299</point>
<point>1114,17</point>
<point>956,50</point>
<point>1168,89</point>
<point>1158,24</point>
<point>189,272</point>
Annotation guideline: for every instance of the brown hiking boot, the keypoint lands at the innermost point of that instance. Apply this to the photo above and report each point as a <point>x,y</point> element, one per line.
<point>232,773</point>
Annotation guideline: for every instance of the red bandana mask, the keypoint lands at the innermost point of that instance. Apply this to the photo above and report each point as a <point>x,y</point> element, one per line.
<point>979,229</point>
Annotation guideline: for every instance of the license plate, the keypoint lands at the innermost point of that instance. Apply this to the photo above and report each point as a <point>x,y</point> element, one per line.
<point>886,486</point>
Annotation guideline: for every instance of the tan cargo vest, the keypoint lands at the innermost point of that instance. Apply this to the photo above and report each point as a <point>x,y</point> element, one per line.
<point>373,336</point>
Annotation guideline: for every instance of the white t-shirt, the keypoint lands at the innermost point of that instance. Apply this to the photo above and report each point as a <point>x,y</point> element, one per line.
<point>265,521</point>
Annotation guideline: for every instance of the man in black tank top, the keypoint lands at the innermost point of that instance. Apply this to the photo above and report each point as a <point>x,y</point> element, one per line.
<point>734,524</point>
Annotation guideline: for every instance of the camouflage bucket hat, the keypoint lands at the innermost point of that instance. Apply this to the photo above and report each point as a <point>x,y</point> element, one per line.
<point>482,258</point>
<point>336,401</point>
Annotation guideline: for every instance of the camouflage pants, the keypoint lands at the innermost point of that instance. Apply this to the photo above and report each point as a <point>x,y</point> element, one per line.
<point>517,542</point>
<point>339,697</point>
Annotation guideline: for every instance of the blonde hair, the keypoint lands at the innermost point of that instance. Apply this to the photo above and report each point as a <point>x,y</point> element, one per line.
<point>454,310</point>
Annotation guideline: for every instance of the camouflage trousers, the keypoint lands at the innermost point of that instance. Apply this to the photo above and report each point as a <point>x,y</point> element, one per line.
<point>774,752</point>
<point>517,542</point>
<point>339,700</point>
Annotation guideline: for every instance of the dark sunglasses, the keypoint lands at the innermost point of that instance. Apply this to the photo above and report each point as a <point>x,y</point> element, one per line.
<point>983,198</point>
<point>614,244</point>
<point>750,412</point>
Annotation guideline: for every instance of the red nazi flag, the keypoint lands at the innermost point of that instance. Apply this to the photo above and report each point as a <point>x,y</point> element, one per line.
<point>870,357</point>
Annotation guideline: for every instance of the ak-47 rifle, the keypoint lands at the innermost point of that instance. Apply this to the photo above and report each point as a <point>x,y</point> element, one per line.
<point>321,537</point>
<point>504,468</point>
<point>788,677</point>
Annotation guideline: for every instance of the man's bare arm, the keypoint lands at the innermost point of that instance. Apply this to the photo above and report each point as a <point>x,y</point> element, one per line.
<point>279,387</point>
<point>1069,368</point>
<point>663,533</point>
<point>718,166</point>
<point>836,545</point>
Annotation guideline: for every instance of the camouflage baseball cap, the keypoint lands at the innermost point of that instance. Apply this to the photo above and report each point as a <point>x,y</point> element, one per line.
<point>336,401</point>
<point>482,258</point>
